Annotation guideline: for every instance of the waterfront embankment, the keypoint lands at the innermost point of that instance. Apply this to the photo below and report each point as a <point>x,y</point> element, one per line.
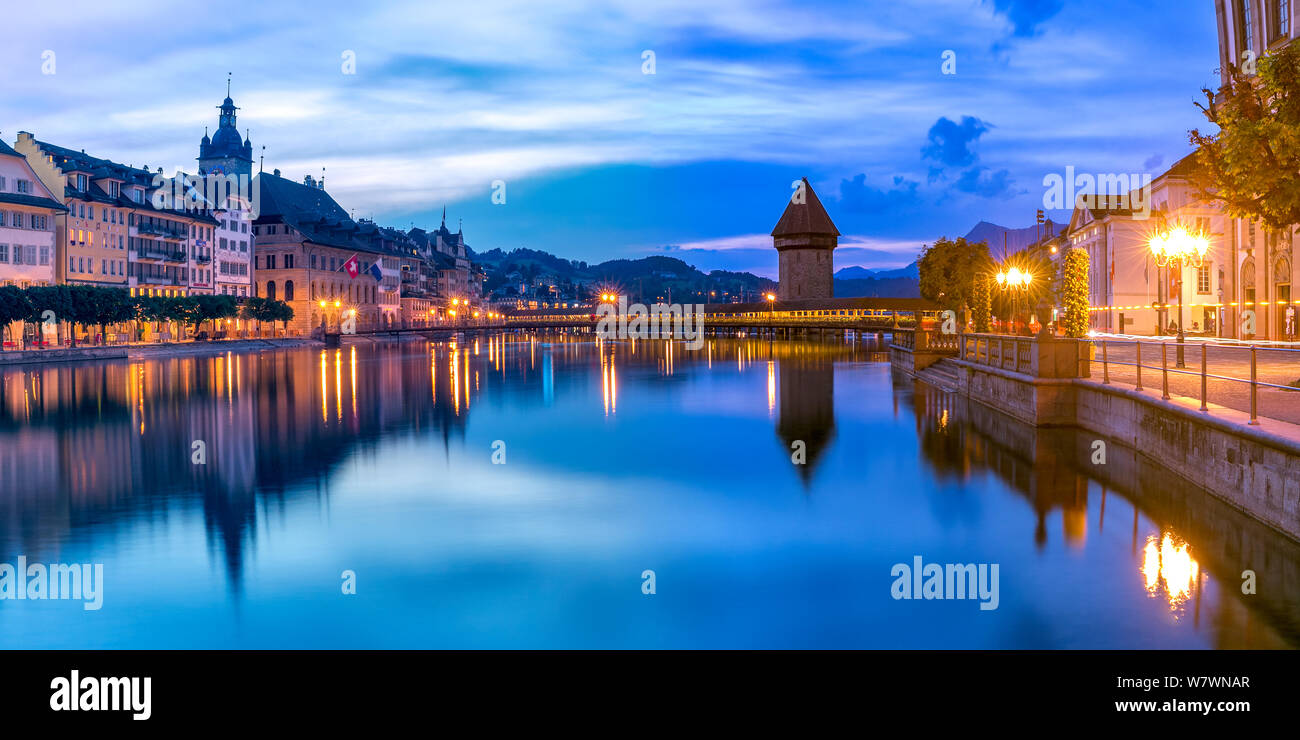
<point>1253,467</point>
<point>140,351</point>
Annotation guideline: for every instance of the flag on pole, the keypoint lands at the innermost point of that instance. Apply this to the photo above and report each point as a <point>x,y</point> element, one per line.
<point>352,266</point>
<point>376,273</point>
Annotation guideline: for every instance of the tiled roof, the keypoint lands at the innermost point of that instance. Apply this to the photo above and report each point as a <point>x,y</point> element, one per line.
<point>31,200</point>
<point>808,217</point>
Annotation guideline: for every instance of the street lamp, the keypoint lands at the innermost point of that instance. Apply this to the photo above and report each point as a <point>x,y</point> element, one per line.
<point>1178,249</point>
<point>1014,281</point>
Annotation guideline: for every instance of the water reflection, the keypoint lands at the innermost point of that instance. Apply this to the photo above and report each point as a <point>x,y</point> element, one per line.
<point>1167,514</point>
<point>91,455</point>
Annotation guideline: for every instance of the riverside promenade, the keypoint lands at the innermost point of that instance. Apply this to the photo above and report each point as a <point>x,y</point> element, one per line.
<point>1250,461</point>
<point>144,350</point>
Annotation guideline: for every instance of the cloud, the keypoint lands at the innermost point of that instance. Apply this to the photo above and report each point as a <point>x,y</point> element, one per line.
<point>1153,162</point>
<point>951,144</point>
<point>1027,15</point>
<point>856,196</point>
<point>986,183</point>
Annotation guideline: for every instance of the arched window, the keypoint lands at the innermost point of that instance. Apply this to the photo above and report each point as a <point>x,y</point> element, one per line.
<point>270,290</point>
<point>288,290</point>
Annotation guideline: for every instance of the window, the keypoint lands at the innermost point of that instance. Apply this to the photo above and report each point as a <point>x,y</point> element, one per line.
<point>1203,280</point>
<point>25,187</point>
<point>1245,31</point>
<point>45,256</point>
<point>270,290</point>
<point>270,262</point>
<point>288,290</point>
<point>1284,18</point>
<point>4,254</point>
<point>17,221</point>
<point>288,265</point>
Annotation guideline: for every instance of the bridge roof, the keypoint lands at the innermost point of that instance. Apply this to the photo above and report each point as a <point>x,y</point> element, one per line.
<point>827,304</point>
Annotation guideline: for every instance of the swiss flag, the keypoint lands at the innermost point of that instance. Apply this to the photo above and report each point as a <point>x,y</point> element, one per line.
<point>352,266</point>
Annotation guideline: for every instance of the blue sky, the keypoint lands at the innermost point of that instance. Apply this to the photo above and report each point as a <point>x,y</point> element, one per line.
<point>601,160</point>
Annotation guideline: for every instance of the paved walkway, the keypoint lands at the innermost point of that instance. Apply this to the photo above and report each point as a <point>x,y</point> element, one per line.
<point>1272,366</point>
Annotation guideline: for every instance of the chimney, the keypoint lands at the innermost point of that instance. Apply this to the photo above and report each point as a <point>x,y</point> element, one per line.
<point>275,172</point>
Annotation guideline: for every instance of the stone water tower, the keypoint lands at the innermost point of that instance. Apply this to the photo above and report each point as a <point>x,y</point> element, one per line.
<point>805,240</point>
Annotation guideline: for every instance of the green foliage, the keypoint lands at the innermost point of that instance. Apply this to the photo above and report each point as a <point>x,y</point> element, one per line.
<point>982,304</point>
<point>1252,165</point>
<point>14,306</point>
<point>950,269</point>
<point>1074,293</point>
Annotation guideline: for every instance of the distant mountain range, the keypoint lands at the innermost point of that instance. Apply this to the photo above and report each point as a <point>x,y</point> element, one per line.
<point>1015,239</point>
<point>862,273</point>
<point>644,280</point>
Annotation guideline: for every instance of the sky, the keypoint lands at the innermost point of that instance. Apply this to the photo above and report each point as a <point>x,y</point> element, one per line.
<point>627,128</point>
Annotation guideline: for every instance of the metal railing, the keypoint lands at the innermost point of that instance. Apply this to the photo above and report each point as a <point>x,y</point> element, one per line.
<point>1203,373</point>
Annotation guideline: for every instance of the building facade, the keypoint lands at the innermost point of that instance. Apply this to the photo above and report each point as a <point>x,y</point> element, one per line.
<point>28,214</point>
<point>1259,266</point>
<point>1130,293</point>
<point>805,241</point>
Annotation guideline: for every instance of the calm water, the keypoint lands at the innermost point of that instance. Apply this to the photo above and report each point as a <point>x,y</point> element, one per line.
<point>620,458</point>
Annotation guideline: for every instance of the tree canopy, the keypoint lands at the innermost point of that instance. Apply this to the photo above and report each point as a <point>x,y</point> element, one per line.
<point>948,271</point>
<point>1252,165</point>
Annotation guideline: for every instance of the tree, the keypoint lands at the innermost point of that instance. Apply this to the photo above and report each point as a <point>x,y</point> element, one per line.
<point>14,306</point>
<point>1252,165</point>
<point>107,306</point>
<point>950,269</point>
<point>981,303</point>
<point>213,307</point>
<point>1074,293</point>
<point>57,299</point>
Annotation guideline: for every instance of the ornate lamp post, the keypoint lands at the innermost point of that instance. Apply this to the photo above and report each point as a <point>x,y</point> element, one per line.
<point>1178,249</point>
<point>1015,282</point>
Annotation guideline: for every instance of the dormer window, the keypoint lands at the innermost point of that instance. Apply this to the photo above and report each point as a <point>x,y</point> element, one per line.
<point>81,183</point>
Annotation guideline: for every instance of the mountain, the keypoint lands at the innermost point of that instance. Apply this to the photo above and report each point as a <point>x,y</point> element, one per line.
<point>862,273</point>
<point>645,280</point>
<point>1016,239</point>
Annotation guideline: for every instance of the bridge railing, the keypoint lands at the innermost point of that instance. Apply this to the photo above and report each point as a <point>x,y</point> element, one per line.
<point>931,341</point>
<point>1052,357</point>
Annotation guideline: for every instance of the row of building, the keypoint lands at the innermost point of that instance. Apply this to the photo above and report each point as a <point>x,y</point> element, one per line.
<point>1248,268</point>
<point>67,217</point>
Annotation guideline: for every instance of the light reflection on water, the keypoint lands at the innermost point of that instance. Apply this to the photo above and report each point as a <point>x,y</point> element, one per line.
<point>621,456</point>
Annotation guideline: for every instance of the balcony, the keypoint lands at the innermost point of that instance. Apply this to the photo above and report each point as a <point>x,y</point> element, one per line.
<point>203,259</point>
<point>165,232</point>
<point>150,254</point>
<point>161,280</point>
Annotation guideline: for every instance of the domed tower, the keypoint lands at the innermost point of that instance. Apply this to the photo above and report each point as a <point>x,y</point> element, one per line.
<point>805,240</point>
<point>227,153</point>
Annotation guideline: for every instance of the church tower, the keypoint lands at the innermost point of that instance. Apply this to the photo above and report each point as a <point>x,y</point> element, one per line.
<point>226,153</point>
<point>805,240</point>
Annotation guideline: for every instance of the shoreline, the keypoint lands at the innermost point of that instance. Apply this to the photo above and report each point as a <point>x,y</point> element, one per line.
<point>141,351</point>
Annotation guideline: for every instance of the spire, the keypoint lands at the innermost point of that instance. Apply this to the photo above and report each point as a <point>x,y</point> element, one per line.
<point>228,76</point>
<point>806,217</point>
<point>444,216</point>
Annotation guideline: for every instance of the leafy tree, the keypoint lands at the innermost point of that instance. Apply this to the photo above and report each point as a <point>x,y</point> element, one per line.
<point>1252,165</point>
<point>950,269</point>
<point>14,306</point>
<point>982,303</point>
<point>1074,293</point>
<point>107,306</point>
<point>54,298</point>
<point>213,307</point>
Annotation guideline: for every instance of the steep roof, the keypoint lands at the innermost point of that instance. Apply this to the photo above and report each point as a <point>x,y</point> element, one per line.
<point>808,217</point>
<point>7,150</point>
